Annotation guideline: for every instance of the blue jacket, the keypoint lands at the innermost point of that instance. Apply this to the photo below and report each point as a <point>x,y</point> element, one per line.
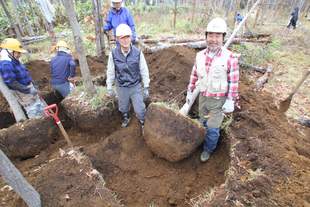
<point>239,18</point>
<point>14,71</point>
<point>62,67</point>
<point>294,14</point>
<point>116,18</point>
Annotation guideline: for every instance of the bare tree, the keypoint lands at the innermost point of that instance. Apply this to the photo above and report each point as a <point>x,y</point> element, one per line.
<point>17,181</point>
<point>13,103</point>
<point>17,19</point>
<point>175,11</point>
<point>90,88</point>
<point>193,11</point>
<point>229,8</point>
<point>98,27</point>
<point>12,21</point>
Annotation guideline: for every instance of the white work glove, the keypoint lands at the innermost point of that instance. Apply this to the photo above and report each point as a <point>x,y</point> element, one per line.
<point>110,92</point>
<point>146,93</point>
<point>189,96</point>
<point>33,91</point>
<point>228,106</point>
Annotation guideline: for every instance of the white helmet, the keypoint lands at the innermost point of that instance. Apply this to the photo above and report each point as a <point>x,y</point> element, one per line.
<point>123,30</point>
<point>217,25</point>
<point>116,1</point>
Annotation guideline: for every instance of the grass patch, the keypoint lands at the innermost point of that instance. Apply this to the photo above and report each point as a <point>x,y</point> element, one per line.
<point>172,106</point>
<point>254,55</point>
<point>100,99</point>
<point>228,119</point>
<point>200,200</point>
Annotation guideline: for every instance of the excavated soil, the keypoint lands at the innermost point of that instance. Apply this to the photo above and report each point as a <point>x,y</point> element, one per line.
<point>262,160</point>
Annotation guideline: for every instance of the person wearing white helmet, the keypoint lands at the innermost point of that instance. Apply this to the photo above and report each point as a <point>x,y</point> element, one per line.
<point>16,76</point>
<point>119,15</point>
<point>216,74</point>
<point>128,70</point>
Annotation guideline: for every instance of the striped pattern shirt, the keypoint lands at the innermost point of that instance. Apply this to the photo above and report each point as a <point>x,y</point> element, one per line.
<point>232,74</point>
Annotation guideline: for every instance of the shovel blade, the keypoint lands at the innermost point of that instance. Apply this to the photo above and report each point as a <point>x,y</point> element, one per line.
<point>285,105</point>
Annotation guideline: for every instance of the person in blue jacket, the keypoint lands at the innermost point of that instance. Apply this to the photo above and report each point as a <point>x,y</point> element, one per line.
<point>238,18</point>
<point>62,69</point>
<point>119,15</point>
<point>294,18</point>
<point>17,78</point>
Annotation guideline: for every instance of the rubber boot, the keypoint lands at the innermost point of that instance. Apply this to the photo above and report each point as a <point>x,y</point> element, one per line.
<point>125,120</point>
<point>211,140</point>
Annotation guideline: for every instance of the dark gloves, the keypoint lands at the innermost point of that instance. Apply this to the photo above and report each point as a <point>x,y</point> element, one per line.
<point>19,87</point>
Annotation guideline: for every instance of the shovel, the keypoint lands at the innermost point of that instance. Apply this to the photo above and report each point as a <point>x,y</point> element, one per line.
<point>52,111</point>
<point>284,105</point>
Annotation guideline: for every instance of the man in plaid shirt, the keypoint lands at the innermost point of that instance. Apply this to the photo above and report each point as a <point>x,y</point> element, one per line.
<point>17,78</point>
<point>216,74</point>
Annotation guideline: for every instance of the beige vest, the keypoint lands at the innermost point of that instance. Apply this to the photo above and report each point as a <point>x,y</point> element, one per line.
<point>216,79</point>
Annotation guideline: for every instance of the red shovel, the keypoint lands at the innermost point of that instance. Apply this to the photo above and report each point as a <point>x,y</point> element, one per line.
<point>52,111</point>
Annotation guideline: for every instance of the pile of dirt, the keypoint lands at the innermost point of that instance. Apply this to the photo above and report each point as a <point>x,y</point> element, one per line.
<point>142,179</point>
<point>269,161</point>
<point>69,179</point>
<point>169,73</point>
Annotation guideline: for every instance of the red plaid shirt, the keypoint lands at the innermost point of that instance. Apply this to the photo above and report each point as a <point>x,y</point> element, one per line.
<point>232,75</point>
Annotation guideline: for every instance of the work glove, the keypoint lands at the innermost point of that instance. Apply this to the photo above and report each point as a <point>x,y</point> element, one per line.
<point>111,92</point>
<point>228,106</point>
<point>189,96</point>
<point>33,91</point>
<point>146,93</point>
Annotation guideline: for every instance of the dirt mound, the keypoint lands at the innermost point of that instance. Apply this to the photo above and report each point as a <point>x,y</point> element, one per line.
<point>173,139</point>
<point>265,169</point>
<point>56,180</point>
<point>27,139</point>
<point>169,72</point>
<point>142,179</point>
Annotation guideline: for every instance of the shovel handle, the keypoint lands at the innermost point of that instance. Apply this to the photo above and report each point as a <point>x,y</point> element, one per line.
<point>300,82</point>
<point>52,111</point>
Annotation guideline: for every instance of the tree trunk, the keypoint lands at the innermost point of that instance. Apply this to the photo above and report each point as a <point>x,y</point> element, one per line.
<point>229,8</point>
<point>258,11</point>
<point>13,25</point>
<point>98,28</point>
<point>29,27</point>
<point>193,11</point>
<point>13,103</point>
<point>26,21</point>
<point>16,14</point>
<point>102,42</point>
<point>175,11</point>
<point>16,180</point>
<point>245,27</point>
<point>68,4</point>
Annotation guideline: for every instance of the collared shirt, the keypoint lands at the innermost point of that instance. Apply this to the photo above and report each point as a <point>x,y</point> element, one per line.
<point>144,71</point>
<point>117,17</point>
<point>14,71</point>
<point>232,75</point>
